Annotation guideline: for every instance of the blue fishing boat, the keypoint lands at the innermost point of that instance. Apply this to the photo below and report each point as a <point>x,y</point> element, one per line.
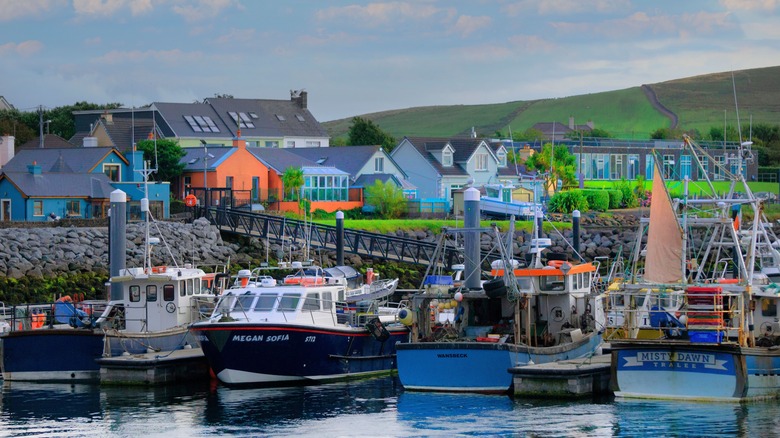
<point>149,309</point>
<point>722,344</point>
<point>303,329</point>
<point>468,332</point>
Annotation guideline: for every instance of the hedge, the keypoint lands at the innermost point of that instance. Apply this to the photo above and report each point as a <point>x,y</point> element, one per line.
<point>568,201</point>
<point>597,199</point>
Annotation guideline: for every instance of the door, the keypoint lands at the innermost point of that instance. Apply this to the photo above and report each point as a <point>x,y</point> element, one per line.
<point>5,210</point>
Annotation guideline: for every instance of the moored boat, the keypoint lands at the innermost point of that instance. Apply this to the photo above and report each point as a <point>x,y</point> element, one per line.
<point>467,334</point>
<point>300,330</point>
<point>723,346</point>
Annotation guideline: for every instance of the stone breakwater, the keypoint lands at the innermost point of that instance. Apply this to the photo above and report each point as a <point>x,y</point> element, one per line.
<point>53,251</point>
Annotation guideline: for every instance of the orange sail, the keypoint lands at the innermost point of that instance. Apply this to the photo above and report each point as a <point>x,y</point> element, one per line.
<point>663,263</point>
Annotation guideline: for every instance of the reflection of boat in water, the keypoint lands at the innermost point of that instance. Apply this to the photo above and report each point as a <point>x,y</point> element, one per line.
<point>150,310</point>
<point>466,337</point>
<point>722,345</point>
<point>300,330</point>
<point>32,403</point>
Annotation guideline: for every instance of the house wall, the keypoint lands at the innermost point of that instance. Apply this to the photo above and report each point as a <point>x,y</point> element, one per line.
<point>8,192</point>
<point>419,171</point>
<point>389,167</point>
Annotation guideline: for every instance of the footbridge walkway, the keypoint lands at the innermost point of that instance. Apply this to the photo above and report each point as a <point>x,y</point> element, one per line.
<point>286,231</point>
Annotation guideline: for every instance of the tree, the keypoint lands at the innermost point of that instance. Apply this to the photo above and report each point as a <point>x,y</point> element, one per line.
<point>167,157</point>
<point>564,165</point>
<point>388,199</point>
<point>292,179</point>
<point>366,132</point>
<point>61,120</point>
<point>529,134</point>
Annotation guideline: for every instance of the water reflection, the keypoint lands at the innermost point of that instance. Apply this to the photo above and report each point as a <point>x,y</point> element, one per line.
<point>377,407</point>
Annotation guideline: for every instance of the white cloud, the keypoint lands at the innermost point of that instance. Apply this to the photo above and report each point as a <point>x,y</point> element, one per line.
<point>565,7</point>
<point>174,56</point>
<point>202,9</point>
<point>382,13</point>
<point>751,5</point>
<point>13,9</point>
<point>25,48</point>
<point>466,24</point>
<point>97,7</point>
<point>531,43</point>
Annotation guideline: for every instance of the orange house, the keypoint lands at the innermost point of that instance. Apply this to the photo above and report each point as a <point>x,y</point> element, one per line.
<point>254,175</point>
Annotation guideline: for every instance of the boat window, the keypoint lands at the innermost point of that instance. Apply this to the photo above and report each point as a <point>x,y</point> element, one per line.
<point>190,286</point>
<point>169,292</point>
<point>639,300</point>
<point>618,300</point>
<point>135,293</point>
<point>312,302</point>
<point>245,302</point>
<point>265,302</point>
<point>182,288</point>
<point>768,307</point>
<point>289,301</point>
<point>151,293</point>
<point>327,300</point>
<point>551,283</point>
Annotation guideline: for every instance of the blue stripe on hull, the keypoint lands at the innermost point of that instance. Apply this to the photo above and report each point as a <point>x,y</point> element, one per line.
<point>279,354</point>
<point>44,355</point>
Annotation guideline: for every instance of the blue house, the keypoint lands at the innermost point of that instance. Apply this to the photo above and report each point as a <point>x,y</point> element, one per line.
<point>75,182</point>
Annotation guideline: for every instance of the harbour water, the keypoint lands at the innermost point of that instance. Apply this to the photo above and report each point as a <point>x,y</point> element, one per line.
<point>368,408</point>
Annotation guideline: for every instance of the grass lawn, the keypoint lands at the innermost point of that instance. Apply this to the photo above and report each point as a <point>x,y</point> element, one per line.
<point>694,187</point>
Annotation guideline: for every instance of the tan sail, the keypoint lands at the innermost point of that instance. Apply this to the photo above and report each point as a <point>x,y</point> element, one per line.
<point>663,263</point>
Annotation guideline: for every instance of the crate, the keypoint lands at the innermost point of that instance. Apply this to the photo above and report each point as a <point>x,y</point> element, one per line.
<point>710,337</point>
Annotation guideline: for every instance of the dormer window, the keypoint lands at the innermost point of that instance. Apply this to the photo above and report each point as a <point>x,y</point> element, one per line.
<point>446,158</point>
<point>501,158</point>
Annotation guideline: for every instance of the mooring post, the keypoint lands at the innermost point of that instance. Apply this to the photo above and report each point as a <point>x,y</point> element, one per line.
<point>340,238</point>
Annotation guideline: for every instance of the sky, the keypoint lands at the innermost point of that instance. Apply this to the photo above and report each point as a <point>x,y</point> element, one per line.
<point>355,58</point>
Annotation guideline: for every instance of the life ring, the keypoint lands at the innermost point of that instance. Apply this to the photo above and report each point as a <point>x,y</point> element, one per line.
<point>556,263</point>
<point>38,320</point>
<point>65,299</point>
<point>190,200</point>
<point>159,269</point>
<point>728,280</point>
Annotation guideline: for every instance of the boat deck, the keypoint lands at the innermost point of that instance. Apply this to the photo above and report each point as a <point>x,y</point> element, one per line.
<point>567,378</point>
<point>154,368</point>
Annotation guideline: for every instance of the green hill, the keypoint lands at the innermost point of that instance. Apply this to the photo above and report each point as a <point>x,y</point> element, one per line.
<point>697,102</point>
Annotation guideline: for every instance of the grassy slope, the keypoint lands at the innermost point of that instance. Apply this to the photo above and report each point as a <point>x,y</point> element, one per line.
<point>699,102</point>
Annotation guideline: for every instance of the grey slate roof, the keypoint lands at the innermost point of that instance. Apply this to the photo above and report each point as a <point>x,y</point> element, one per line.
<point>80,160</point>
<point>369,179</point>
<point>173,115</point>
<point>267,124</point>
<point>123,132</point>
<point>279,159</point>
<point>425,145</point>
<point>347,158</point>
<point>193,157</point>
<point>49,141</point>
<point>67,185</point>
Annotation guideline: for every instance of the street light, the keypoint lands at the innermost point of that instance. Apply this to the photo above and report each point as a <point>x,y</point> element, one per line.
<point>205,167</point>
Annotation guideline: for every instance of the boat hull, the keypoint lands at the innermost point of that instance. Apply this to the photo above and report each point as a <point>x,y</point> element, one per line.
<point>477,366</point>
<point>690,371</point>
<point>279,354</point>
<point>69,354</point>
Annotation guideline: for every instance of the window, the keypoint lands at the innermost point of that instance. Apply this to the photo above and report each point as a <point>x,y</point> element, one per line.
<point>290,143</point>
<point>703,171</point>
<point>168,292</point>
<point>616,166</point>
<point>685,166</point>
<point>201,123</point>
<point>480,162</point>
<point>135,293</point>
<point>312,302</point>
<point>280,117</point>
<point>151,293</point>
<point>649,166</point>
<point>300,118</point>
<point>768,307</point>
<point>182,289</point>
<point>313,144</point>
<point>633,167</point>
<point>255,188</point>
<point>271,144</point>
<point>112,171</point>
<point>669,166</point>
<point>242,120</point>
<point>501,158</point>
<point>446,158</point>
<point>37,208</point>
<point>190,286</point>
<point>718,171</point>
<point>245,302</point>
<point>379,164</point>
<point>187,181</point>
<point>265,302</point>
<point>229,182</point>
<point>325,188</point>
<point>74,208</point>
<point>289,301</point>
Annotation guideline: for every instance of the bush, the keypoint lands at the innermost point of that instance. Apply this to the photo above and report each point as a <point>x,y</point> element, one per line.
<point>597,199</point>
<point>615,199</point>
<point>177,206</point>
<point>630,199</point>
<point>568,201</point>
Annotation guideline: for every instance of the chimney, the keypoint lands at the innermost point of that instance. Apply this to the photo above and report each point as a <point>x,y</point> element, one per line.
<point>90,142</point>
<point>34,168</point>
<point>300,97</point>
<point>6,149</point>
<point>239,142</point>
<point>109,118</point>
<point>571,122</point>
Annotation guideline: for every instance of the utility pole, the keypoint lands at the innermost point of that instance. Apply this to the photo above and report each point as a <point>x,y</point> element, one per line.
<point>40,125</point>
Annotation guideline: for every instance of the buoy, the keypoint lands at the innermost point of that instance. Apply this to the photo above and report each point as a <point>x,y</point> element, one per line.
<point>453,304</point>
<point>405,316</point>
<point>458,296</point>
